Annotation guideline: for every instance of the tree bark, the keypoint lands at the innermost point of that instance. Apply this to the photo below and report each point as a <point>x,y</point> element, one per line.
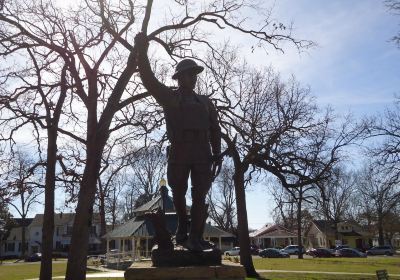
<point>76,266</point>
<point>381,240</point>
<point>299,240</point>
<point>243,228</point>
<point>102,222</point>
<point>48,217</point>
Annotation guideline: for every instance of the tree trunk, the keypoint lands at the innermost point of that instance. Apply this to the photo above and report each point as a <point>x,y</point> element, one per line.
<point>381,240</point>
<point>102,214</point>
<point>243,228</point>
<point>76,266</point>
<point>23,239</point>
<point>299,240</point>
<point>48,217</point>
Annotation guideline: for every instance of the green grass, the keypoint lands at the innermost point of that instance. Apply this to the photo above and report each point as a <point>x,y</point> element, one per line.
<point>362,265</point>
<point>28,270</point>
<point>310,276</point>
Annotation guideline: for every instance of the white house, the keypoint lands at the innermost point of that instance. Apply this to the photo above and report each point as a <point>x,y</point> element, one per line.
<point>63,223</point>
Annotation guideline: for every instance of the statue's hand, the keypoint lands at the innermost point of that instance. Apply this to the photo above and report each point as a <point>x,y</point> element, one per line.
<point>141,40</point>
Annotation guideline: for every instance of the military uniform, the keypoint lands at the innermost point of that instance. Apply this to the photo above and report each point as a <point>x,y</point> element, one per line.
<point>195,135</point>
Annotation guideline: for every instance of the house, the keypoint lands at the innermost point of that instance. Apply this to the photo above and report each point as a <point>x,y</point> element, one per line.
<point>322,233</point>
<point>136,235</point>
<point>273,235</point>
<point>63,223</point>
<point>12,245</point>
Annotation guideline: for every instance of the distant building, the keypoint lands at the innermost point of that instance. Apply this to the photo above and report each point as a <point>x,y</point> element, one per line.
<point>12,245</point>
<point>273,236</point>
<point>63,223</point>
<point>322,233</point>
<point>136,235</point>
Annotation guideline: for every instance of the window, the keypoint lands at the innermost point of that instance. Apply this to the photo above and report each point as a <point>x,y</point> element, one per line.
<point>11,247</point>
<point>69,230</point>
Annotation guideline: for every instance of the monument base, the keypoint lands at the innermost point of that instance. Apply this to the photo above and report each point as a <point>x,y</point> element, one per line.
<point>180,256</point>
<point>147,272</point>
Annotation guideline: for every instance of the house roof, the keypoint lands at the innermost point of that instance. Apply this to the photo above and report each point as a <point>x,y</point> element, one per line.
<point>157,202</point>
<point>125,230</point>
<point>61,219</point>
<point>141,226</point>
<point>273,230</point>
<point>325,226</point>
<point>19,222</point>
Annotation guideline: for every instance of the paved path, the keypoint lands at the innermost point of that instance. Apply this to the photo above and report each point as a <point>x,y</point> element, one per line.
<point>120,274</point>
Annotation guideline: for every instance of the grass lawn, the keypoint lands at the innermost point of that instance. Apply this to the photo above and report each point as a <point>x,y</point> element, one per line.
<point>28,270</point>
<point>363,265</point>
<point>310,276</point>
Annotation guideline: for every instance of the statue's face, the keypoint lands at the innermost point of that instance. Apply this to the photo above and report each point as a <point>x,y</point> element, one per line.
<point>188,80</point>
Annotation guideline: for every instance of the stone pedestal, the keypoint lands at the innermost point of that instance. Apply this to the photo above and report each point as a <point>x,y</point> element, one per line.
<point>180,256</point>
<point>140,271</point>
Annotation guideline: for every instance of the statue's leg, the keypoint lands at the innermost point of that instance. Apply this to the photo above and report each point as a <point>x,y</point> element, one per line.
<point>178,175</point>
<point>201,184</point>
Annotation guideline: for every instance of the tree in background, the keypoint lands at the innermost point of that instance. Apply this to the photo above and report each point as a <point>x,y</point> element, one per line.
<point>221,201</point>
<point>394,6</point>
<point>380,194</point>
<point>339,190</point>
<point>22,184</point>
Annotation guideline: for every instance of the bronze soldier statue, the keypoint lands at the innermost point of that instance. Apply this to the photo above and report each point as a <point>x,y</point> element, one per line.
<point>195,138</point>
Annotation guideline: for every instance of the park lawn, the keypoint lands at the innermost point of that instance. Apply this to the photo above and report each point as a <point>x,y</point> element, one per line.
<point>310,276</point>
<point>362,265</point>
<point>28,270</point>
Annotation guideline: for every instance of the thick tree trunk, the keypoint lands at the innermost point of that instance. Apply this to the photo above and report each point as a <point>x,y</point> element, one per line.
<point>48,217</point>
<point>299,240</point>
<point>76,267</point>
<point>102,222</point>
<point>23,239</point>
<point>243,228</point>
<point>381,239</point>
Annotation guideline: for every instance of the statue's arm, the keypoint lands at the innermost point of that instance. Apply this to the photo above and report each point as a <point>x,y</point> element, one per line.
<point>158,90</point>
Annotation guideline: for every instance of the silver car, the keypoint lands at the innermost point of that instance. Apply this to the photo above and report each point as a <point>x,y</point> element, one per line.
<point>381,250</point>
<point>293,249</point>
<point>235,251</point>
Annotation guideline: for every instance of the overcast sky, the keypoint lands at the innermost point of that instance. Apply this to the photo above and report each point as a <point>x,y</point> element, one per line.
<point>355,66</point>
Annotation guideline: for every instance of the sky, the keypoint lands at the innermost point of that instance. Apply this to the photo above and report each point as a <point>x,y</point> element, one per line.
<point>354,67</point>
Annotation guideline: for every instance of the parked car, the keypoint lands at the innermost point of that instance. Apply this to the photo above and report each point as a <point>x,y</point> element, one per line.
<point>292,249</point>
<point>381,250</point>
<point>320,253</point>
<point>232,252</point>
<point>273,253</point>
<point>340,247</point>
<point>349,253</point>
<point>36,257</point>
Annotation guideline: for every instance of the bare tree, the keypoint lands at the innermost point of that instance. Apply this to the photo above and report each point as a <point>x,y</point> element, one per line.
<point>221,201</point>
<point>22,184</point>
<point>394,6</point>
<point>382,193</point>
<point>386,129</point>
<point>339,190</point>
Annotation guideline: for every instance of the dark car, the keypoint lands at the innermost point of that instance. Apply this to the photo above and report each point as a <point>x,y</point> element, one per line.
<point>381,250</point>
<point>349,253</point>
<point>341,247</point>
<point>254,249</point>
<point>273,253</point>
<point>320,253</point>
<point>36,257</point>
